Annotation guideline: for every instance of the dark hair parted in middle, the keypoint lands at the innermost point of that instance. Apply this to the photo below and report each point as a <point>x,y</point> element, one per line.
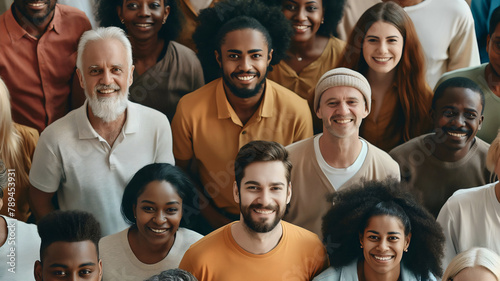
<point>260,151</point>
<point>353,207</point>
<point>107,14</point>
<point>156,172</point>
<point>216,22</point>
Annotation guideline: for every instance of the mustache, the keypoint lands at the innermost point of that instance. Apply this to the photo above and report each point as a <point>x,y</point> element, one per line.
<point>245,72</point>
<point>268,207</point>
<point>101,87</point>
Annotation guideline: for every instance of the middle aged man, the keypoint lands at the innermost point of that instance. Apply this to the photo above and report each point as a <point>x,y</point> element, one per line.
<point>487,76</point>
<point>69,247</point>
<point>212,123</point>
<point>38,42</point>
<point>259,246</point>
<point>451,158</point>
<point>89,155</point>
<point>338,157</point>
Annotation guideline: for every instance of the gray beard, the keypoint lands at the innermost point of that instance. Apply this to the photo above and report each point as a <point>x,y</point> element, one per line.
<point>107,109</point>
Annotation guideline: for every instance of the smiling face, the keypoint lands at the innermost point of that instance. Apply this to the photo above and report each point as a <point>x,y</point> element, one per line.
<point>244,58</point>
<point>38,12</point>
<point>383,242</point>
<point>263,195</point>
<point>306,17</point>
<point>105,77</point>
<point>143,19</point>
<point>475,273</point>
<point>493,49</point>
<point>457,118</point>
<point>342,109</point>
<point>158,213</point>
<point>382,47</point>
<point>69,261</point>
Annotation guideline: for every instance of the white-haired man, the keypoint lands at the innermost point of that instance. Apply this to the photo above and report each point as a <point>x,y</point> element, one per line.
<point>89,155</point>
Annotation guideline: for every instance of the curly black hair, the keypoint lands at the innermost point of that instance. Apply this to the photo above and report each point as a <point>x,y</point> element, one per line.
<point>107,15</point>
<point>208,38</point>
<point>333,12</point>
<point>352,209</point>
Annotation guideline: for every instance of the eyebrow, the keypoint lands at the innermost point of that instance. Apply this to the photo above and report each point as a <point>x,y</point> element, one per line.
<point>454,107</point>
<point>376,232</point>
<point>168,203</point>
<point>392,36</point>
<point>240,52</point>
<point>65,266</point>
<point>257,183</point>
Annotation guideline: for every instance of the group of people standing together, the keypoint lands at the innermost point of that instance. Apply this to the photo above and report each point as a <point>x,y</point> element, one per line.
<point>300,156</point>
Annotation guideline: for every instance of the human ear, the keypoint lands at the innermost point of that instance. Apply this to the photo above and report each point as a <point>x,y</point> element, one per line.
<point>37,271</point>
<point>236,193</point>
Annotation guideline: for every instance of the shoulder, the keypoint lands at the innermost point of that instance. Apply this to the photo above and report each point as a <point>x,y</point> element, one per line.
<point>470,194</point>
<point>189,235</point>
<point>301,235</point>
<point>72,15</point>
<point>330,274</point>
<point>182,51</point>
<point>214,241</point>
<point>200,96</point>
<point>112,240</point>
<point>482,146</point>
<point>472,73</point>
<point>408,146</point>
<point>143,112</point>
<point>297,148</point>
<point>63,127</point>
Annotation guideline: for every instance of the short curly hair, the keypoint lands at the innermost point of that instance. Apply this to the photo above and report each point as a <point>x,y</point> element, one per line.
<point>333,12</point>
<point>353,207</point>
<point>107,15</point>
<point>212,20</point>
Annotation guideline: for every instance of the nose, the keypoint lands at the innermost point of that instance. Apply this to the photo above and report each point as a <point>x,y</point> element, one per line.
<point>458,121</point>
<point>265,198</point>
<point>144,11</point>
<point>106,77</point>
<point>160,217</point>
<point>245,64</point>
<point>382,245</point>
<point>382,47</point>
<point>343,108</point>
<point>301,14</point>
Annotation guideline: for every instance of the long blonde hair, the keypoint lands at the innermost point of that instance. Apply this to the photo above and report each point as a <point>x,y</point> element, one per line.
<point>10,140</point>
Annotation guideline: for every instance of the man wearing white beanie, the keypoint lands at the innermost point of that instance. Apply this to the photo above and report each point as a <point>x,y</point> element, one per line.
<point>338,157</point>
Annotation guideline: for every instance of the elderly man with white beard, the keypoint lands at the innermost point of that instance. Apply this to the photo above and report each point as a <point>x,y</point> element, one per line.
<point>89,155</point>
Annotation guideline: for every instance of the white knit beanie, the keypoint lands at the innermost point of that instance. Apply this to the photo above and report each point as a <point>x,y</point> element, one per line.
<point>343,77</point>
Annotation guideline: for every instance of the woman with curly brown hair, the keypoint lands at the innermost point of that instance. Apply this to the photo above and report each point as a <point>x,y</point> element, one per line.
<point>385,48</point>
<point>378,231</point>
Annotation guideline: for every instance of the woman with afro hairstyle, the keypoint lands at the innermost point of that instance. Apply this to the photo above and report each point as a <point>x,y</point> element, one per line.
<point>377,231</point>
<point>314,49</point>
<point>164,70</point>
<point>209,34</point>
<point>384,47</point>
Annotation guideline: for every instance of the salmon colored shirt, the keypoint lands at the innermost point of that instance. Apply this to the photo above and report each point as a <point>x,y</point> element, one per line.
<point>39,71</point>
<point>206,128</point>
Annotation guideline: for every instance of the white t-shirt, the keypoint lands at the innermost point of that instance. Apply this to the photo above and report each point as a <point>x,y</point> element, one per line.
<point>119,262</point>
<point>24,240</point>
<point>338,177</point>
<point>90,175</point>
<point>470,218</point>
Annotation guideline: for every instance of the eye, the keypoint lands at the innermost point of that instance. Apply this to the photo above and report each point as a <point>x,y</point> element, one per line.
<point>86,271</point>
<point>352,102</point>
<point>148,209</point>
<point>155,5</point>
<point>256,56</point>
<point>470,115</point>
<point>371,40</point>
<point>448,113</point>
<point>94,71</point>
<point>393,238</point>
<point>252,187</point>
<point>277,188</point>
<point>132,6</point>
<point>289,7</point>
<point>172,211</point>
<point>311,8</point>
<point>332,104</point>
<point>373,237</point>
<point>233,56</point>
<point>59,273</point>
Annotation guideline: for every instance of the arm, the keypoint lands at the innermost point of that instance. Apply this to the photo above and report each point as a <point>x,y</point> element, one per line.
<point>40,202</point>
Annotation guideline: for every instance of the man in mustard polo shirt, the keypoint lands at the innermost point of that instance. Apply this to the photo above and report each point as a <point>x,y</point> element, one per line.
<point>214,122</point>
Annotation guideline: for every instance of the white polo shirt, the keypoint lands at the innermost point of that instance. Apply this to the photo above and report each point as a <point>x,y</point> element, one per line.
<point>88,174</point>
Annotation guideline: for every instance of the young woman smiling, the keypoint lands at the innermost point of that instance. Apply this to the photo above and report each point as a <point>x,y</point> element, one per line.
<point>376,231</point>
<point>384,47</point>
<point>153,202</point>
<point>164,70</point>
<point>314,49</point>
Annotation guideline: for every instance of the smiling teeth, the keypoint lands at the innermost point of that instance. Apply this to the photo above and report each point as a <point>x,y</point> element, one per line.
<point>109,91</point>
<point>245,78</point>
<point>36,4</point>
<point>157,230</point>
<point>382,258</point>
<point>266,212</point>
<point>344,121</point>
<point>382,59</point>
<point>456,135</point>
<point>143,24</point>
<point>301,27</point>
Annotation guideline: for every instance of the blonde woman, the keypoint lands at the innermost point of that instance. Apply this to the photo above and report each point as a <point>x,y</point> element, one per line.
<point>17,144</point>
<point>474,264</point>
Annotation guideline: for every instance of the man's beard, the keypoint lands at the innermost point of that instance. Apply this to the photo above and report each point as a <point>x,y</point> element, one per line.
<point>107,109</point>
<point>242,92</point>
<point>263,225</point>
<point>36,19</point>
